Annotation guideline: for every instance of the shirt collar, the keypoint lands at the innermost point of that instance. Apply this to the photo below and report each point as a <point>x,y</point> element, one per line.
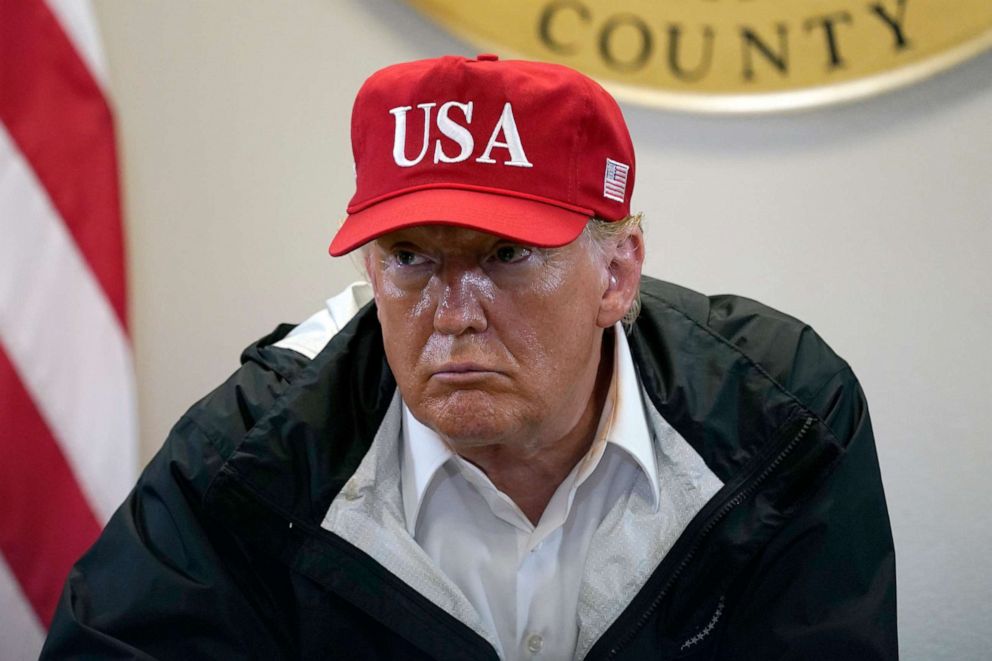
<point>424,452</point>
<point>625,426</point>
<point>629,430</point>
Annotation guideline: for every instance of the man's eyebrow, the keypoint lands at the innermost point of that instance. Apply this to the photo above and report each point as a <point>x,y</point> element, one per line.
<point>386,243</point>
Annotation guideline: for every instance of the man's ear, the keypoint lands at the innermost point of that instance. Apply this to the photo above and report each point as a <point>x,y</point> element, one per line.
<point>623,279</point>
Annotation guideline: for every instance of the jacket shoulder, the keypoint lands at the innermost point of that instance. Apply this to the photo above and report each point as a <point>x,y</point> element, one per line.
<point>209,431</point>
<point>269,367</point>
<point>785,348</point>
<point>266,370</point>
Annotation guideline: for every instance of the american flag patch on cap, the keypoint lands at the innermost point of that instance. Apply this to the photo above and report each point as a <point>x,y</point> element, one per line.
<point>615,181</point>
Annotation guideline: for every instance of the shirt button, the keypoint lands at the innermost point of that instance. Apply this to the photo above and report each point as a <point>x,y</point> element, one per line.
<point>487,57</point>
<point>534,643</point>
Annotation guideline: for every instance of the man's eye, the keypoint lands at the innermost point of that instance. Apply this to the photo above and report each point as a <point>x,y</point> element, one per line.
<point>511,254</point>
<point>408,258</point>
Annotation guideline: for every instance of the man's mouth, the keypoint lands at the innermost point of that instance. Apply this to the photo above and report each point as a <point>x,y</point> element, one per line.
<point>463,372</point>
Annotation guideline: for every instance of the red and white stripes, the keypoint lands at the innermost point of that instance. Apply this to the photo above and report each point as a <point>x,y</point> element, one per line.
<point>67,399</point>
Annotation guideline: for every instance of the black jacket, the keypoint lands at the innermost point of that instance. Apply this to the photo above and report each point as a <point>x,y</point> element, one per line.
<point>218,552</point>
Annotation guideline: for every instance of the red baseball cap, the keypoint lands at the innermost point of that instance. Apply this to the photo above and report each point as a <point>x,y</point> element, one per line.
<point>525,150</point>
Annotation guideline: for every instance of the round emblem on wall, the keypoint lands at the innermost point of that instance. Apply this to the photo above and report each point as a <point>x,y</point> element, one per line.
<point>730,55</point>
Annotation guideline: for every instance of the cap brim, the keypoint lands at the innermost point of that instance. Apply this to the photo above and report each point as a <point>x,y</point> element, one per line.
<point>522,220</point>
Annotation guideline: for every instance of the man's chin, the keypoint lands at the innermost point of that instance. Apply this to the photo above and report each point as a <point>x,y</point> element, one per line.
<point>468,419</point>
<point>472,433</point>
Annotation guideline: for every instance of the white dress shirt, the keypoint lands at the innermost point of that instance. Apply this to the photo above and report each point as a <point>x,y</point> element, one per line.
<point>524,580</point>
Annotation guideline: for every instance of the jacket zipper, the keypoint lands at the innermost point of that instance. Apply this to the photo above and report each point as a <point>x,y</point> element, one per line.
<point>708,629</point>
<point>743,494</point>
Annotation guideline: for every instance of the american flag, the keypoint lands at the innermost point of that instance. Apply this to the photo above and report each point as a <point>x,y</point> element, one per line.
<point>67,399</point>
<point>615,181</point>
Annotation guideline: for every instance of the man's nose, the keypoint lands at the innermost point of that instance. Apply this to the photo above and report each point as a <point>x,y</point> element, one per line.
<point>460,307</point>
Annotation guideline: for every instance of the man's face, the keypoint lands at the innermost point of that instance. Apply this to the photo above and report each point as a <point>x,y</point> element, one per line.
<point>491,342</point>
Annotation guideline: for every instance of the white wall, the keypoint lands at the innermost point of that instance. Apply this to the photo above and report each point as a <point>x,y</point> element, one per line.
<point>869,221</point>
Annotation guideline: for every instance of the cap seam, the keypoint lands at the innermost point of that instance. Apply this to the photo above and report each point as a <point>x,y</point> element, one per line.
<point>583,138</point>
<point>361,206</point>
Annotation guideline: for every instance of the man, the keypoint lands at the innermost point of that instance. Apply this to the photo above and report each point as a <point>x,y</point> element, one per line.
<point>499,457</point>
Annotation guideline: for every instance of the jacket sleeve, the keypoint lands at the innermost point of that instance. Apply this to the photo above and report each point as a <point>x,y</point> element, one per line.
<point>164,581</point>
<point>824,588</point>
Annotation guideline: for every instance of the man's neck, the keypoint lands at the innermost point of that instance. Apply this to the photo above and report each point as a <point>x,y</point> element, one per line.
<point>531,474</point>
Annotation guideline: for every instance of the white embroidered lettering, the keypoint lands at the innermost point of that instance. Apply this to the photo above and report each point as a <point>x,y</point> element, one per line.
<point>455,131</point>
<point>508,127</point>
<point>399,135</point>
